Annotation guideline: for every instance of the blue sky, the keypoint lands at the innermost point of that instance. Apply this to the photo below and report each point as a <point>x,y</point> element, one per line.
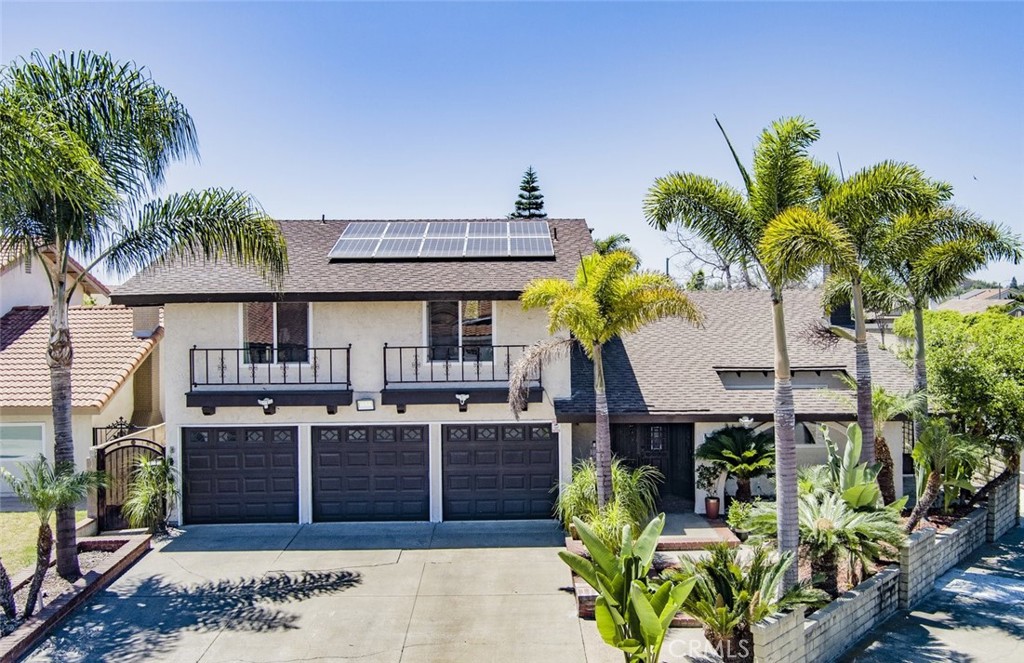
<point>388,110</point>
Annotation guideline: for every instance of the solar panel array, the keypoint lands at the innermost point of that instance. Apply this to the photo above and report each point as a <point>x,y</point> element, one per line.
<point>391,240</point>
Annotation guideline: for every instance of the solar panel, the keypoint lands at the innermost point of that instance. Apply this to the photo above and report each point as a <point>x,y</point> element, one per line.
<point>530,246</point>
<point>397,240</point>
<point>406,229</point>
<point>368,229</point>
<point>447,229</point>
<point>400,247</point>
<point>443,247</point>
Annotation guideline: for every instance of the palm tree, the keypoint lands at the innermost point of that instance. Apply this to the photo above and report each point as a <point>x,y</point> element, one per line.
<point>929,250</point>
<point>134,129</point>
<point>48,489</point>
<point>608,298</point>
<point>781,183</point>
<point>843,232</point>
<point>614,242</point>
<point>937,450</point>
<point>743,453</point>
<point>6,594</point>
<point>885,407</point>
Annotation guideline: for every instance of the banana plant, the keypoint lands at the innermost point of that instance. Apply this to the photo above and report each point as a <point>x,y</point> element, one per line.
<point>633,611</point>
<point>856,482</point>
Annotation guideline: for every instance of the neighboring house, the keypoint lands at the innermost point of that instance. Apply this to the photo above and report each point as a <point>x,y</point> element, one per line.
<point>373,385</point>
<point>671,384</point>
<point>976,301</point>
<point>23,282</point>
<point>113,377</point>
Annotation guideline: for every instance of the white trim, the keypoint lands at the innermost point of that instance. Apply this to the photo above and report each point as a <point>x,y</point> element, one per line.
<point>435,473</point>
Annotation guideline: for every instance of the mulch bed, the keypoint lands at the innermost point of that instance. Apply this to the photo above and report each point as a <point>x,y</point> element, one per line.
<point>844,582</point>
<point>938,520</point>
<point>53,586</point>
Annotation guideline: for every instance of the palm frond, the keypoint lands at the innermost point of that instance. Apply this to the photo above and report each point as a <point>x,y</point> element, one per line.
<point>783,172</point>
<point>48,488</point>
<point>799,239</point>
<point>644,297</point>
<point>529,365</point>
<point>747,181</point>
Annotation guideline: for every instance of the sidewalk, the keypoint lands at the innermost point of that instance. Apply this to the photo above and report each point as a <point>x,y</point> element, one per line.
<point>975,613</point>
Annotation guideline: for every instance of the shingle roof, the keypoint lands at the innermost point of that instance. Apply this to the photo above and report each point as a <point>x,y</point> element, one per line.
<point>313,277</point>
<point>106,353</point>
<point>668,368</point>
<point>975,301</point>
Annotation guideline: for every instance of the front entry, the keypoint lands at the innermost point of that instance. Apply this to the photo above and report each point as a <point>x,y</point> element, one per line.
<point>668,447</point>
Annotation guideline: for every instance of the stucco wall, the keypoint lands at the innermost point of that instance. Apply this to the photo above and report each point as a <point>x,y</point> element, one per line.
<point>18,288</point>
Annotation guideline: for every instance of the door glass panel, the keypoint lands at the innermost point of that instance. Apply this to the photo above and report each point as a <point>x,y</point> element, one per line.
<point>443,328</point>
<point>477,331</point>
<point>293,332</point>
<point>258,330</point>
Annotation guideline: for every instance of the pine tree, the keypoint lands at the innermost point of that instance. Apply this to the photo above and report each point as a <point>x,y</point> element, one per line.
<point>530,204</point>
<point>1013,283</point>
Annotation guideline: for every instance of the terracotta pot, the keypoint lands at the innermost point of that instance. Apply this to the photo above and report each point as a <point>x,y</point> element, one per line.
<point>712,506</point>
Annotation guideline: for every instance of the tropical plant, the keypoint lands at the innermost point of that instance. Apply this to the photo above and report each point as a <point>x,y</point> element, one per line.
<point>608,298</point>
<point>133,129</point>
<point>843,230</point>
<point>152,493</point>
<point>854,481</point>
<point>781,184</point>
<point>635,494</point>
<point>744,455</point>
<point>735,589</point>
<point>615,242</point>
<point>886,406</point>
<point>739,513</point>
<point>937,453</point>
<point>47,489</point>
<point>814,480</point>
<point>633,612</point>
<point>530,203</point>
<point>832,531</point>
<point>7,605</point>
<point>929,250</point>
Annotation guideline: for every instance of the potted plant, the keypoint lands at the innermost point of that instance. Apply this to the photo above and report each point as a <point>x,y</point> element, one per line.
<point>707,480</point>
<point>737,517</point>
<point>743,453</point>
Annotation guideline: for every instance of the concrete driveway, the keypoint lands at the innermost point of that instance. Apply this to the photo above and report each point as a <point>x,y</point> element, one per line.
<point>371,593</point>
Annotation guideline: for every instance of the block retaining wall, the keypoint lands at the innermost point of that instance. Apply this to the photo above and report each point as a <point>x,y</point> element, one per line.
<point>1003,509</point>
<point>926,555</point>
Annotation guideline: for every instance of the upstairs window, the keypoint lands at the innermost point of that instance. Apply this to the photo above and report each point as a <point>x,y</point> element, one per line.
<point>460,331</point>
<point>275,332</point>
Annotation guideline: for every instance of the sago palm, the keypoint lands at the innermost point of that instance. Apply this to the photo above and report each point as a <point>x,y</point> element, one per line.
<point>937,451</point>
<point>133,129</point>
<point>781,182</point>
<point>47,489</point>
<point>843,230</point>
<point>743,453</point>
<point>929,250</point>
<point>607,299</point>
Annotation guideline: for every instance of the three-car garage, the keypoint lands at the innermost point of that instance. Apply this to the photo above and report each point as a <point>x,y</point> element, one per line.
<point>368,472</point>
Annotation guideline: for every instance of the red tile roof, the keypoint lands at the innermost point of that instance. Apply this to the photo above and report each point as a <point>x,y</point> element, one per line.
<point>106,353</point>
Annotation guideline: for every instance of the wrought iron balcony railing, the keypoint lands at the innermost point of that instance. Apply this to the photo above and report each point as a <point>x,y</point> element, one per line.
<point>263,365</point>
<point>407,365</point>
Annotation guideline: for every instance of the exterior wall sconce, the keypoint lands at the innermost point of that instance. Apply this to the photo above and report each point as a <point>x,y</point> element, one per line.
<point>463,399</point>
<point>365,405</point>
<point>267,404</point>
<point>746,422</point>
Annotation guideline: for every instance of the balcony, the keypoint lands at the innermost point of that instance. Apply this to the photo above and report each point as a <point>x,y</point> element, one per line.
<point>446,374</point>
<point>237,377</point>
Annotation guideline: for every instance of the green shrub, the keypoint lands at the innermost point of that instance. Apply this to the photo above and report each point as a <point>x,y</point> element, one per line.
<point>744,454</point>
<point>152,493</point>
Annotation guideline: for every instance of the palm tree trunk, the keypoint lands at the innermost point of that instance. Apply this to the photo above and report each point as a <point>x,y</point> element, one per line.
<point>743,489</point>
<point>920,366</point>
<point>6,594</point>
<point>826,566</point>
<point>864,416</point>
<point>603,452</point>
<point>59,357</point>
<point>785,445</point>
<point>886,475</point>
<point>44,544</point>
<point>925,502</point>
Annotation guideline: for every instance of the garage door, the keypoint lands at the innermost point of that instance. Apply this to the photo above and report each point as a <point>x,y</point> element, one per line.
<point>240,475</point>
<point>496,472</point>
<point>370,473</point>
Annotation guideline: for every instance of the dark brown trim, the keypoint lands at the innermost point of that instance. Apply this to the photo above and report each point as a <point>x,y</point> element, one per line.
<point>446,395</point>
<point>282,398</point>
<point>234,297</point>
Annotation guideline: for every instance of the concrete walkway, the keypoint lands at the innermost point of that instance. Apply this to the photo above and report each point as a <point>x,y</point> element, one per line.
<point>415,592</point>
<point>976,613</point>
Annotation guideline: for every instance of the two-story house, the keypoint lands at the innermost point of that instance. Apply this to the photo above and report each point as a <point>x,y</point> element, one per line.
<point>373,383</point>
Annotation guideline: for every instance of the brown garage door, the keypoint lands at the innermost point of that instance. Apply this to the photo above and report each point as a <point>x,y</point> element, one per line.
<point>370,473</point>
<point>240,475</point>
<point>498,472</point>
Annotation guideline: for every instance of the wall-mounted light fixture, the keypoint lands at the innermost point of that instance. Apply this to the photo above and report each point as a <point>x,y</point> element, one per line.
<point>365,405</point>
<point>746,422</point>
<point>267,404</point>
<point>463,399</point>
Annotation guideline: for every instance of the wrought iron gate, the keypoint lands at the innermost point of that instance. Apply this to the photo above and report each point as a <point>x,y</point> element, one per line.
<point>117,459</point>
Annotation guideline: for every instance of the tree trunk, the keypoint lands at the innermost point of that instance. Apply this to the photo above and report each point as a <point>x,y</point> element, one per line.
<point>785,446</point>
<point>931,493</point>
<point>864,415</point>
<point>825,569</point>
<point>44,544</point>
<point>920,367</point>
<point>603,452</point>
<point>743,493</point>
<point>6,594</point>
<point>886,475</point>
<point>59,358</point>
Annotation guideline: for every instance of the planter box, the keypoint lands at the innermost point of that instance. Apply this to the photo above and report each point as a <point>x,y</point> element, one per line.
<point>127,550</point>
<point>926,555</point>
